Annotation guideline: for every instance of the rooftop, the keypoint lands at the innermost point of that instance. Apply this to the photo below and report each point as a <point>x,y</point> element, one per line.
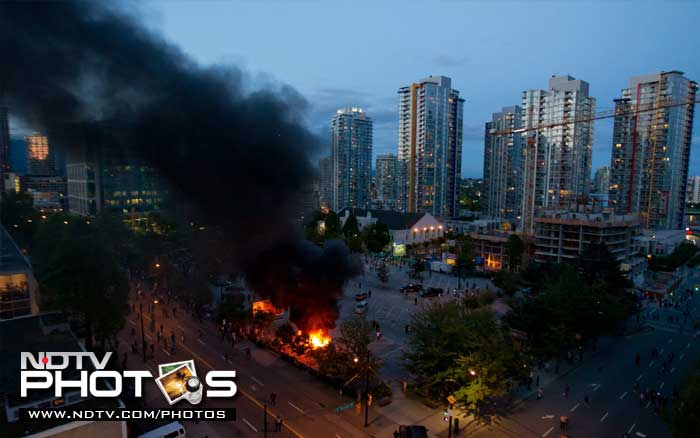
<point>393,219</point>
<point>599,220</point>
<point>11,258</point>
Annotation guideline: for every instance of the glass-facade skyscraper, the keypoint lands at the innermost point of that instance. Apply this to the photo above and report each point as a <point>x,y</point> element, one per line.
<point>387,167</point>
<point>4,145</point>
<point>651,148</point>
<point>351,158</point>
<point>430,146</point>
<point>502,164</point>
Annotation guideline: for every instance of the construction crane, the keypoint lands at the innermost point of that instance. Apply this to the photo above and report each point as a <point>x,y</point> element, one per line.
<point>607,114</point>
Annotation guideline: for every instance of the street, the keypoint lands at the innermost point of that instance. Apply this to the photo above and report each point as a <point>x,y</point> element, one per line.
<point>607,377</point>
<point>307,406</point>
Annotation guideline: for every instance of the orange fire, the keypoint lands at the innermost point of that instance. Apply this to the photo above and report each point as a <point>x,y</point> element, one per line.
<point>319,339</point>
<point>267,307</point>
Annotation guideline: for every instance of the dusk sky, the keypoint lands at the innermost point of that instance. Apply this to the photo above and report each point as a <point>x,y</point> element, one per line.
<point>358,53</point>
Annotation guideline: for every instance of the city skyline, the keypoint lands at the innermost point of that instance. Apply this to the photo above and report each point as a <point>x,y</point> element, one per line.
<point>486,80</point>
<point>478,58</point>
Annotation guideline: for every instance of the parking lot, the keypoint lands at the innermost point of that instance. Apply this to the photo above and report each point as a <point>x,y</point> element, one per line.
<point>392,309</point>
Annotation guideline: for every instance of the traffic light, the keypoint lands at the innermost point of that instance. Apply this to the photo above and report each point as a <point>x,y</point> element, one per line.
<point>369,399</point>
<point>445,416</point>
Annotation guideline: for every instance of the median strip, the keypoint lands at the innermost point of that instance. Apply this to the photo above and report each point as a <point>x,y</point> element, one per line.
<point>249,425</point>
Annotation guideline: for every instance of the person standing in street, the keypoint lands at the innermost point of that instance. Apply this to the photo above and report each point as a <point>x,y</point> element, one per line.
<point>278,424</point>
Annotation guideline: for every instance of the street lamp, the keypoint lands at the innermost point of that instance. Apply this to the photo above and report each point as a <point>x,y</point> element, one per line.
<point>143,334</point>
<point>366,371</point>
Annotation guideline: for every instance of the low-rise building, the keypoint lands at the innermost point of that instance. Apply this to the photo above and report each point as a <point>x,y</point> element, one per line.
<point>18,287</point>
<point>491,250</point>
<point>485,225</point>
<point>659,284</point>
<point>659,242</point>
<point>48,192</point>
<point>405,228</point>
<point>564,235</point>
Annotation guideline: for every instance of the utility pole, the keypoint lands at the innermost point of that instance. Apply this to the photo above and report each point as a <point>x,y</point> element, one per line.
<point>449,427</point>
<point>143,336</point>
<point>367,390</point>
<point>265,420</point>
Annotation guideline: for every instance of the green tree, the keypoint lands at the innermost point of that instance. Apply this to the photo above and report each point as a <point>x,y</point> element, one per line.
<point>465,259</point>
<point>377,236</point>
<point>467,352</point>
<point>507,281</point>
<point>331,226</point>
<point>351,228</point>
<point>514,249</point>
<point>597,263</point>
<point>680,256</point>
<point>80,270</point>
<point>566,308</point>
<point>18,216</point>
<point>685,408</point>
<point>383,273</point>
<point>311,228</point>
<point>354,243</point>
<point>355,335</point>
<point>350,352</point>
<point>417,267</point>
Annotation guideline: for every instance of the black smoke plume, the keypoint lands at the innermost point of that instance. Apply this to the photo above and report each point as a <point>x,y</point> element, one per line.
<point>307,279</point>
<point>242,157</point>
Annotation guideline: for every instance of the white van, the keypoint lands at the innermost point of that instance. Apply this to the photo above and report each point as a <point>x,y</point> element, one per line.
<point>361,307</point>
<point>170,430</point>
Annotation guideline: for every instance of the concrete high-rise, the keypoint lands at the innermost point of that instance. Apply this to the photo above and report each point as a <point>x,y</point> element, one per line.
<point>601,180</point>
<point>387,168</point>
<point>39,157</point>
<point>430,146</point>
<point>351,158</point>
<point>502,164</point>
<point>4,145</point>
<point>325,183</point>
<point>651,148</point>
<point>557,159</point>
<point>693,190</point>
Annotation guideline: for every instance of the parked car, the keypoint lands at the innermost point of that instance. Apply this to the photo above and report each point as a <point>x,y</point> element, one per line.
<point>361,296</point>
<point>411,287</point>
<point>431,292</point>
<point>361,307</point>
<point>413,432</point>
